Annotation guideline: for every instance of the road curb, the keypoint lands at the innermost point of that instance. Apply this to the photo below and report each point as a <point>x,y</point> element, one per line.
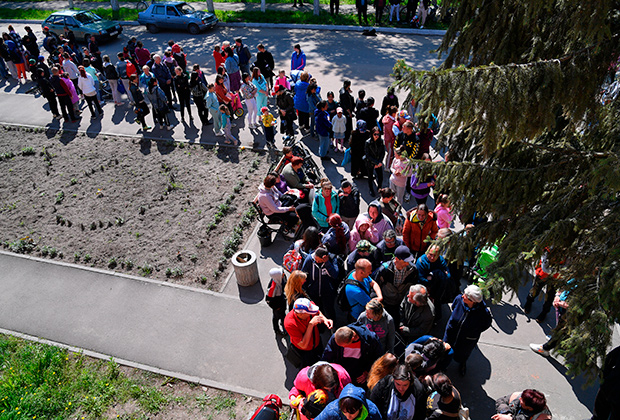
<point>343,28</point>
<point>187,378</point>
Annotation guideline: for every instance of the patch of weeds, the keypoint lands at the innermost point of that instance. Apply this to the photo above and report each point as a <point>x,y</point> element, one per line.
<point>21,246</point>
<point>60,196</point>
<point>7,155</point>
<point>28,151</point>
<point>193,258</point>
<point>9,206</point>
<point>87,258</point>
<point>202,279</point>
<point>77,256</point>
<point>218,404</point>
<point>137,235</point>
<point>181,145</point>
<point>112,263</point>
<point>146,270</point>
<point>174,272</point>
<point>128,263</point>
<point>152,400</point>
<point>73,181</point>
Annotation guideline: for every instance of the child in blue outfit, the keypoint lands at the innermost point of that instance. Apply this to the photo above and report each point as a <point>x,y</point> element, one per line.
<point>226,126</point>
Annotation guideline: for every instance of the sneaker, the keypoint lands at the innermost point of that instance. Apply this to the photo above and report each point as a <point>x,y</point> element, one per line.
<point>538,348</point>
<point>289,234</point>
<point>161,126</point>
<point>219,134</point>
<point>169,127</point>
<point>146,127</point>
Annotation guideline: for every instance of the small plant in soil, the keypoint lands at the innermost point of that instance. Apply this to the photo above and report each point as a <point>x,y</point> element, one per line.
<point>128,263</point>
<point>77,256</point>
<point>7,155</point>
<point>142,210</point>
<point>21,246</point>
<point>59,197</point>
<point>73,181</point>
<point>87,258</point>
<point>202,280</point>
<point>112,263</point>
<point>146,270</point>
<point>174,272</point>
<point>119,221</point>
<point>193,258</point>
<point>28,151</point>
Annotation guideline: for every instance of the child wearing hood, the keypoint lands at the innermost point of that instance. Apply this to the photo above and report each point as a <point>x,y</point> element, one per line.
<point>353,402</point>
<point>276,300</point>
<point>362,229</point>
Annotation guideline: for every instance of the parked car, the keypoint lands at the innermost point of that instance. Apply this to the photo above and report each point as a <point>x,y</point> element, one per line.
<point>83,24</point>
<point>176,15</point>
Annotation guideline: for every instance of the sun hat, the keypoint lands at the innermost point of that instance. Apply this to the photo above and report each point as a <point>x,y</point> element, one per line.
<point>305,306</point>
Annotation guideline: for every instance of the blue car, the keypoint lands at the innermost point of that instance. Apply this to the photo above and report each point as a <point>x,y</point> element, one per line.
<point>176,15</point>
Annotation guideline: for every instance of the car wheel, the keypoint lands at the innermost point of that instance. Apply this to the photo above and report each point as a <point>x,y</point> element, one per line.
<point>193,29</point>
<point>152,28</point>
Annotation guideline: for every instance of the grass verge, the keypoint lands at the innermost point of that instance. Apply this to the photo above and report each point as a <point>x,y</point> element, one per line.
<point>39,381</point>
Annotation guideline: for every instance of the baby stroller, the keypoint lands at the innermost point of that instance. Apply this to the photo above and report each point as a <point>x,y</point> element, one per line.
<point>236,105</point>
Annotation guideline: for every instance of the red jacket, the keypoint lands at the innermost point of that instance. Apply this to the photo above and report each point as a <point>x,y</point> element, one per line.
<point>414,232</point>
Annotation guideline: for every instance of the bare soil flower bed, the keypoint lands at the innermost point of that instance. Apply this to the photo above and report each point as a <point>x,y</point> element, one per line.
<point>167,211</point>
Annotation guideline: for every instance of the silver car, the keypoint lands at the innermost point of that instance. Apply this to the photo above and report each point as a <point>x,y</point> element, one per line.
<point>176,15</point>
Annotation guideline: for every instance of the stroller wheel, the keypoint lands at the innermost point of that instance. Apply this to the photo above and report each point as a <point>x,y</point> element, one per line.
<point>239,112</point>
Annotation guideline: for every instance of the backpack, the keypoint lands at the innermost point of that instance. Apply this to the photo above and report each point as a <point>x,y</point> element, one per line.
<point>341,296</point>
<point>269,409</point>
<point>292,260</point>
<point>131,69</point>
<point>199,89</point>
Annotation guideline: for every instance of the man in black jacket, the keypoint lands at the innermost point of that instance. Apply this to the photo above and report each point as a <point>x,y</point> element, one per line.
<point>347,103</point>
<point>64,95</point>
<point>349,202</point>
<point>374,151</point>
<point>286,105</point>
<point>264,61</point>
<point>395,278</point>
<point>369,113</point>
<point>47,91</point>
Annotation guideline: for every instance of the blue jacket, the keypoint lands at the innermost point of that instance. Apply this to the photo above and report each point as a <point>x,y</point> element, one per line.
<point>319,212</point>
<point>298,61</point>
<point>438,268</point>
<point>232,64</point>
<point>323,125</point>
<point>162,73</point>
<point>332,411</point>
<point>358,296</point>
<point>467,323</point>
<point>370,351</point>
<point>301,99</point>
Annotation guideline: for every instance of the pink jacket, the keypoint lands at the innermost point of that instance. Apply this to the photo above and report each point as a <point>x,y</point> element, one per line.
<point>444,216</point>
<point>370,235</point>
<point>303,385</point>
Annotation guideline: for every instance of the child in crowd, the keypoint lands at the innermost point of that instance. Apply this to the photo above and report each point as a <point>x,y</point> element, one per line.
<point>281,81</point>
<point>339,126</point>
<point>276,300</point>
<point>268,122</point>
<point>226,125</point>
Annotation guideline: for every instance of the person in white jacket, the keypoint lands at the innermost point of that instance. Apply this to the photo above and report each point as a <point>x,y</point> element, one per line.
<point>71,69</point>
<point>86,83</point>
<point>339,126</point>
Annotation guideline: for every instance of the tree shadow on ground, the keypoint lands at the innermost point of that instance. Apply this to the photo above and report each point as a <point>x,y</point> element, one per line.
<point>584,393</point>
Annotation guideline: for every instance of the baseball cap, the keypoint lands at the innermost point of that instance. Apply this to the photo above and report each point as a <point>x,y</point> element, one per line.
<point>403,114</point>
<point>305,306</point>
<point>402,253</point>
<point>339,109</point>
<point>47,28</point>
<point>264,109</point>
<point>363,245</point>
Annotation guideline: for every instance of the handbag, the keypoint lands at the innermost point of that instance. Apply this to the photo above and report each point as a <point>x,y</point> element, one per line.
<point>293,356</point>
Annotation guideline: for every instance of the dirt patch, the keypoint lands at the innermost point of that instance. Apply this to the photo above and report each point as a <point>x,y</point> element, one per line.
<point>167,211</point>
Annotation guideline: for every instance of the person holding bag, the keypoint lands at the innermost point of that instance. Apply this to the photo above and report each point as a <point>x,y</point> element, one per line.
<point>158,101</point>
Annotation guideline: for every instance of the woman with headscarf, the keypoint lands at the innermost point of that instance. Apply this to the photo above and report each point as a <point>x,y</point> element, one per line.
<point>357,144</point>
<point>378,222</point>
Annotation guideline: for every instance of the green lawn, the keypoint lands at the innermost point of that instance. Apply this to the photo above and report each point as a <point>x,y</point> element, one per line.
<point>39,381</point>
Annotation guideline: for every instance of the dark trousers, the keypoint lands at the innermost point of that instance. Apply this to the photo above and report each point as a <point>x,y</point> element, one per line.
<point>378,17</point>
<point>289,218</point>
<point>93,100</point>
<point>167,90</point>
<point>374,173</point>
<point>270,134</point>
<point>160,117</point>
<point>287,124</point>
<point>362,11</point>
<point>304,119</point>
<point>143,111</point>
<point>66,106</point>
<point>333,6</point>
<point>51,99</point>
<point>203,113</point>
<point>537,287</point>
<point>184,103</point>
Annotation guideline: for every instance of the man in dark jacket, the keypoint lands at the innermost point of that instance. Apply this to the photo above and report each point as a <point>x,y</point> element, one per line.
<point>374,151</point>
<point>286,106</point>
<point>369,114</point>
<point>244,54</point>
<point>362,349</point>
<point>470,318</point>
<point>323,128</point>
<point>400,395</point>
<point>435,275</point>
<point>322,280</point>
<point>385,249</point>
<point>64,95</point>
<point>395,277</point>
<point>417,314</point>
<point>347,103</point>
<point>48,92</point>
<point>349,202</point>
<point>163,76</point>
<point>265,63</point>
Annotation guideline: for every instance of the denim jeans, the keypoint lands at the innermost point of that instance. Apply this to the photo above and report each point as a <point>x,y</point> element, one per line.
<point>323,145</point>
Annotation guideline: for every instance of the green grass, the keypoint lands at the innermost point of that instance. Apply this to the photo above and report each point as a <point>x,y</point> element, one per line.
<point>32,14</point>
<point>45,382</point>
<point>125,13</point>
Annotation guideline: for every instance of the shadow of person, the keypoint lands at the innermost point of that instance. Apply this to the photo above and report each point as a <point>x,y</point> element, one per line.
<point>473,395</point>
<point>145,146</point>
<point>94,128</point>
<point>51,129</point>
<point>228,153</point>
<point>251,294</point>
<point>505,316</point>
<point>585,393</point>
<point>291,371</point>
<point>68,136</point>
<point>119,114</point>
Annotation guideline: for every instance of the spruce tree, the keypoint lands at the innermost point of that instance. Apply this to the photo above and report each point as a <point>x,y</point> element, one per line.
<point>533,148</point>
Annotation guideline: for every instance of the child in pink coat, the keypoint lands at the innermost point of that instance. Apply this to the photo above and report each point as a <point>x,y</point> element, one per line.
<point>443,211</point>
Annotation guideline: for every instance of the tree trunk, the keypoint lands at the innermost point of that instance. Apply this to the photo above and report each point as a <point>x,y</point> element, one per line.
<point>210,7</point>
<point>115,8</point>
<point>262,6</point>
<point>70,4</point>
<point>317,7</point>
